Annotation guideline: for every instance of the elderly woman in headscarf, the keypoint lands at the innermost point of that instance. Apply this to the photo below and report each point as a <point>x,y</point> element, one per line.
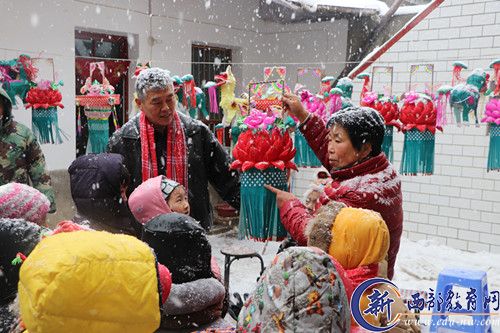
<point>350,146</point>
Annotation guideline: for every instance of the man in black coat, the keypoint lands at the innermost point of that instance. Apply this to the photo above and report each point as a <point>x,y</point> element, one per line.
<point>206,160</point>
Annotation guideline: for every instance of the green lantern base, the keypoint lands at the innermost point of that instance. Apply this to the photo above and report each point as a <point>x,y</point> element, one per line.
<point>98,135</point>
<point>45,125</point>
<point>259,215</point>
<point>305,156</point>
<point>418,153</point>
<point>494,150</point>
<point>387,143</point>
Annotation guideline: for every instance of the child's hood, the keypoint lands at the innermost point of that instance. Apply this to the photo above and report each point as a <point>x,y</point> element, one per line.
<point>146,201</point>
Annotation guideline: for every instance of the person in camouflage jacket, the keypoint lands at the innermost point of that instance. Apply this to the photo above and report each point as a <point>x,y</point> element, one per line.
<point>21,158</point>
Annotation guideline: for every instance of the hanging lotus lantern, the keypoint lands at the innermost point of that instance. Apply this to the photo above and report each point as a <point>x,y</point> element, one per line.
<point>389,109</point>
<point>418,116</point>
<point>264,153</point>
<point>44,98</point>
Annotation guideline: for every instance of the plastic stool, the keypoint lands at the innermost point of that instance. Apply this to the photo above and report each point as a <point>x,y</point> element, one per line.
<point>465,278</point>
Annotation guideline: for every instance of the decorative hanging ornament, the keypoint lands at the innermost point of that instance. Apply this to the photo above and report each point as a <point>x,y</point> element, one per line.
<point>495,65</point>
<point>98,100</point>
<point>457,68</point>
<point>44,98</point>
<point>17,76</point>
<point>492,117</point>
<point>264,154</point>
<point>366,84</point>
<point>464,98</point>
<point>212,96</point>
<point>442,103</point>
<point>418,116</point>
<point>305,156</point>
<point>189,91</point>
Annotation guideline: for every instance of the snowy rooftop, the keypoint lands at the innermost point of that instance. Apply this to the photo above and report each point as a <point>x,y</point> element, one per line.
<point>313,5</point>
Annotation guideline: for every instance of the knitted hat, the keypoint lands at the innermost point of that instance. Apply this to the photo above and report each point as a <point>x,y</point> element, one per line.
<point>68,226</point>
<point>23,202</point>
<point>353,236</point>
<point>168,186</point>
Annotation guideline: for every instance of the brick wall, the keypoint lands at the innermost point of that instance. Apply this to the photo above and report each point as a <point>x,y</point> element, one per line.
<point>460,204</point>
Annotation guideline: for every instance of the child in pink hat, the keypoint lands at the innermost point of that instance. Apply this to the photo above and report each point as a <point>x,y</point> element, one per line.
<point>158,195</point>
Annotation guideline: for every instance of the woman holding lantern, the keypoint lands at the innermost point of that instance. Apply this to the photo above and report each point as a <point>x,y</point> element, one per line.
<point>349,145</point>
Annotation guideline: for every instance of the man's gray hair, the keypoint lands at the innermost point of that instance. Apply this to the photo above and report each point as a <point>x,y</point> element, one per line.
<point>152,79</point>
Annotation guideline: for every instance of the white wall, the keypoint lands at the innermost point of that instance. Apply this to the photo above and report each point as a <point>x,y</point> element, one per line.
<point>46,29</point>
<point>460,204</point>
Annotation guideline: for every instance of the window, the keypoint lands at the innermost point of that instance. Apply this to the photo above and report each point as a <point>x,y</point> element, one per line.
<point>208,61</point>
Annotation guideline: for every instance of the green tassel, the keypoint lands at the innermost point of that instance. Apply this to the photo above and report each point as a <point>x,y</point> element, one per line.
<point>193,112</point>
<point>201,100</point>
<point>387,143</point>
<point>235,133</point>
<point>418,153</point>
<point>259,215</point>
<point>305,156</point>
<point>494,152</point>
<point>98,135</point>
<point>45,125</point>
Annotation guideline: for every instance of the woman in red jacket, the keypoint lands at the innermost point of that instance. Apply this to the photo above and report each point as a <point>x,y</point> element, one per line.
<point>350,147</point>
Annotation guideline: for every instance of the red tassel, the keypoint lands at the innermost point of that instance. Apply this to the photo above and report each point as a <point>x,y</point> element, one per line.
<point>496,67</point>
<point>189,90</point>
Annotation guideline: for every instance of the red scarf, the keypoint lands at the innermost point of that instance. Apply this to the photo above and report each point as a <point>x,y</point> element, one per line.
<point>176,165</point>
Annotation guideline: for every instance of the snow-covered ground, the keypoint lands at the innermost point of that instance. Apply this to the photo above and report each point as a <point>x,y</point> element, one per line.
<point>417,267</point>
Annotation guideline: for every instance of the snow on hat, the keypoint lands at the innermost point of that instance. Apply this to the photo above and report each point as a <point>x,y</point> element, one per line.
<point>24,202</point>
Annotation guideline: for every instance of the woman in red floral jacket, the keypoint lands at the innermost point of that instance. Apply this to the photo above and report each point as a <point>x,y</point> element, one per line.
<point>350,146</point>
